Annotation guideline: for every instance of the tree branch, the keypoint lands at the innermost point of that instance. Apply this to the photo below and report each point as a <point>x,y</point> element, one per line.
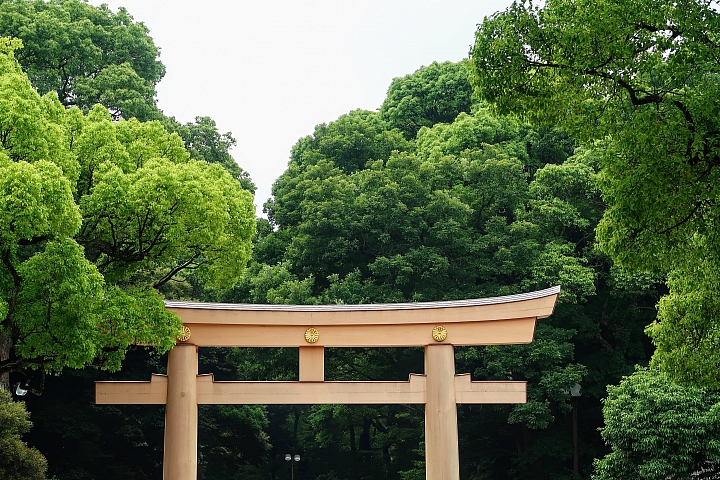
<point>175,270</point>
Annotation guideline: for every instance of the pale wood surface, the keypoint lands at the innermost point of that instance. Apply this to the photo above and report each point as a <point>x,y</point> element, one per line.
<point>153,392</point>
<point>181,415</point>
<point>442,460</point>
<point>502,332</point>
<point>500,320</point>
<point>467,391</point>
<point>309,392</point>
<point>312,364</point>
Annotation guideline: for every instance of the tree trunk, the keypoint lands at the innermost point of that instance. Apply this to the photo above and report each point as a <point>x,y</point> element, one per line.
<point>5,348</point>
<point>353,451</point>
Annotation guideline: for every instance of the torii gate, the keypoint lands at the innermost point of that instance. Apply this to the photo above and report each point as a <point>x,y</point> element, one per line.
<point>437,326</point>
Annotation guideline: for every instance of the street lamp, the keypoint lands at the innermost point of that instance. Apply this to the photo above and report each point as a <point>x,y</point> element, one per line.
<point>20,391</point>
<point>575,392</point>
<point>292,459</point>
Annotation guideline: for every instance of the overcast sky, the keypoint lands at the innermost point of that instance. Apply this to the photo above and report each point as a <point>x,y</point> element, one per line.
<point>270,70</point>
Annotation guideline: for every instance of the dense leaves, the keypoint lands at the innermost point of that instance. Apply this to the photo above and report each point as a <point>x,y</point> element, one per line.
<point>85,54</point>
<point>639,78</point>
<point>17,460</point>
<point>204,142</point>
<point>478,207</point>
<point>433,94</point>
<point>435,196</point>
<point>96,215</point>
<point>659,430</point>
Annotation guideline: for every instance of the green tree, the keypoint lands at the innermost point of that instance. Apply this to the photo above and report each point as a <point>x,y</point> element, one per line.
<point>86,54</point>
<point>96,216</point>
<point>433,94</point>
<point>659,430</point>
<point>640,79</point>
<point>89,55</point>
<point>17,460</point>
<point>204,142</point>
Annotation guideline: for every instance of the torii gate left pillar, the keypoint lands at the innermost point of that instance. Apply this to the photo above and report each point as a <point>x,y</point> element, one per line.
<point>181,414</point>
<point>435,325</point>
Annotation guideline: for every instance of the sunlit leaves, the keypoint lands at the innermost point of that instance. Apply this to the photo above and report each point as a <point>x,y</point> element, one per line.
<point>35,200</point>
<point>96,215</point>
<point>17,460</point>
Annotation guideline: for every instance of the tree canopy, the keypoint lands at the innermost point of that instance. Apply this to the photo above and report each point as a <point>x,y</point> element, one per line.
<point>638,78</point>
<point>97,215</point>
<point>435,196</point>
<point>17,460</point>
<point>658,430</point>
<point>433,94</point>
<point>483,205</point>
<point>86,54</point>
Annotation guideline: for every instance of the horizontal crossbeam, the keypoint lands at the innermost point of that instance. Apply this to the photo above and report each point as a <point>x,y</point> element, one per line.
<point>301,393</point>
<point>515,331</point>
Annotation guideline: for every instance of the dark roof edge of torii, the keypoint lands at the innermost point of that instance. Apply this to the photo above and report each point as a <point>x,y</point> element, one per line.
<point>369,306</point>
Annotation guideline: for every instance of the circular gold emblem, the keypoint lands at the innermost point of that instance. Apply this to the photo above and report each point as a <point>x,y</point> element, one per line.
<point>439,333</point>
<point>312,335</point>
<point>184,335</point>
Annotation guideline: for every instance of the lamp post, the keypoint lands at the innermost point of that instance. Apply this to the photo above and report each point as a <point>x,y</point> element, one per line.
<point>575,392</point>
<point>292,459</point>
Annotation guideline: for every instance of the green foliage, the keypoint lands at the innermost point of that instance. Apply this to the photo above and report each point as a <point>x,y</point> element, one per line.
<point>687,331</point>
<point>95,216</point>
<point>17,460</point>
<point>349,142</point>
<point>638,78</point>
<point>86,54</point>
<point>224,445</point>
<point>433,94</point>
<point>204,142</point>
<point>89,55</point>
<point>659,430</point>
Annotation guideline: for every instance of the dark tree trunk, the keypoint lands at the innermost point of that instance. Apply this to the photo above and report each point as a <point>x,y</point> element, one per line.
<point>353,450</point>
<point>365,440</point>
<point>5,348</point>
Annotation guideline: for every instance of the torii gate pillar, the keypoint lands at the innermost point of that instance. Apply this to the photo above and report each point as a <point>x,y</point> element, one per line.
<point>442,456</point>
<point>181,414</point>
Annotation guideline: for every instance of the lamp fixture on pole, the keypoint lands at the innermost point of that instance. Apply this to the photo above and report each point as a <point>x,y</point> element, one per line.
<point>292,459</point>
<point>575,392</point>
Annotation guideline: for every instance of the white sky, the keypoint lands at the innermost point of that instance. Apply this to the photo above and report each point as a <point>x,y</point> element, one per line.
<point>270,70</point>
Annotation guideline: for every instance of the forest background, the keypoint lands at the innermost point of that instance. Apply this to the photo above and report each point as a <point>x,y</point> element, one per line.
<point>445,192</point>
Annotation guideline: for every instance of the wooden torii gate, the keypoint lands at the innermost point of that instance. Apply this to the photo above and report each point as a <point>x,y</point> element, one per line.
<point>437,326</point>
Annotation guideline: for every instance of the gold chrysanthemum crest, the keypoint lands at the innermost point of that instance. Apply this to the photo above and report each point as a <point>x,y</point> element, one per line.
<point>184,334</point>
<point>439,333</point>
<point>312,335</point>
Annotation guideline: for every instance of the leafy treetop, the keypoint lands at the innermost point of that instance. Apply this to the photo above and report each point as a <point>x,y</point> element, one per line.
<point>86,54</point>
<point>639,78</point>
<point>95,216</point>
<point>433,94</point>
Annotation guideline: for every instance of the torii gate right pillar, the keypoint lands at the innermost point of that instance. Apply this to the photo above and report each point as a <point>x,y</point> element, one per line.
<point>441,431</point>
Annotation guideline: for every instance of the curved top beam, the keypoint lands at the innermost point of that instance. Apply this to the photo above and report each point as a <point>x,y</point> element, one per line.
<point>365,306</point>
<point>538,304</point>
